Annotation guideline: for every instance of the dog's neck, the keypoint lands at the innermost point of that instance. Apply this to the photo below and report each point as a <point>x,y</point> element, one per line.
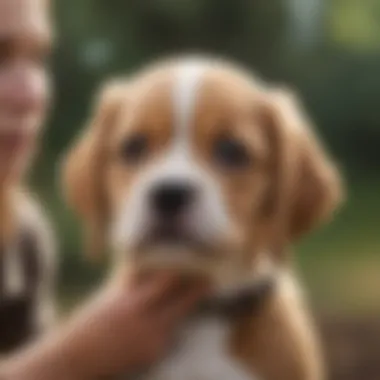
<point>237,290</point>
<point>244,291</point>
<point>246,299</point>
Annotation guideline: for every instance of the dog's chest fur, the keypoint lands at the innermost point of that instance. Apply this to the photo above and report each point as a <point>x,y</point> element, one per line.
<point>201,352</point>
<point>202,349</point>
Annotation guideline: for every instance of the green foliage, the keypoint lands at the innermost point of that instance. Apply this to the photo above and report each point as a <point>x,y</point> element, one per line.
<point>355,23</point>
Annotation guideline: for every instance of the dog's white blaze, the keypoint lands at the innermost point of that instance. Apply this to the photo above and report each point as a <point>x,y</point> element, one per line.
<point>187,84</point>
<point>177,161</point>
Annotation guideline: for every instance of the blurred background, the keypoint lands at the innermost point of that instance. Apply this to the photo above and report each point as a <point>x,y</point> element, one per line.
<point>328,50</point>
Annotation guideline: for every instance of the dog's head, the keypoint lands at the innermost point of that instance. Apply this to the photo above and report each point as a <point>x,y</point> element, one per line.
<point>194,162</point>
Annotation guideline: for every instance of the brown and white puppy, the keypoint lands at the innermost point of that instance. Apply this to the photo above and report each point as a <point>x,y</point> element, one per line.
<point>195,165</point>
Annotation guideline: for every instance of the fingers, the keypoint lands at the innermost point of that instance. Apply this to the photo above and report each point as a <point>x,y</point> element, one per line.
<point>181,304</point>
<point>153,290</point>
<point>168,297</point>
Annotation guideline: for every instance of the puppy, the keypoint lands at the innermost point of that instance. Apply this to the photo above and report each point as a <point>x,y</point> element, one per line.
<point>195,165</point>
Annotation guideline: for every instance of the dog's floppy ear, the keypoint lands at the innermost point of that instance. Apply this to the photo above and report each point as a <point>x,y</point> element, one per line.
<point>83,169</point>
<point>308,185</point>
<point>317,188</point>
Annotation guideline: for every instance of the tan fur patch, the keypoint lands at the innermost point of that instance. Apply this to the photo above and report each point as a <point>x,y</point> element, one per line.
<point>280,343</point>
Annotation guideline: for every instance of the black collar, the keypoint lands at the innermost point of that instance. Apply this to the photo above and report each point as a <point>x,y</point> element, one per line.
<point>247,300</point>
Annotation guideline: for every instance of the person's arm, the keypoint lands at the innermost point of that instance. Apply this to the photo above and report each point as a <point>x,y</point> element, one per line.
<point>119,332</point>
<point>43,360</point>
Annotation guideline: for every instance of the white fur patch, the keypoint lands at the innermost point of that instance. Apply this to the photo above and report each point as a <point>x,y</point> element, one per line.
<point>188,80</point>
<point>202,353</point>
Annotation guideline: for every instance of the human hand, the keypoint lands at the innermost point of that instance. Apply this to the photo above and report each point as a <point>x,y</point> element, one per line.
<point>127,329</point>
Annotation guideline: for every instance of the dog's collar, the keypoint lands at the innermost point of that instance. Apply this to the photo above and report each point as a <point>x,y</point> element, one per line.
<point>245,300</point>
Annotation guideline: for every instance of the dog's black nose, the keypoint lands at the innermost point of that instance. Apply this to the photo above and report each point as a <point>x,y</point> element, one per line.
<point>169,199</point>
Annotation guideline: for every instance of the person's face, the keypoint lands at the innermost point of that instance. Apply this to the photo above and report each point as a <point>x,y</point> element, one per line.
<point>24,87</point>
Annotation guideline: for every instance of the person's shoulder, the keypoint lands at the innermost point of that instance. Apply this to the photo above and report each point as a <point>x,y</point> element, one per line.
<point>36,224</point>
<point>31,212</point>
<point>34,219</point>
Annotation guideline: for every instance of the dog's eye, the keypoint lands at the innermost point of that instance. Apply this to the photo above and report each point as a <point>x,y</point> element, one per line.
<point>135,148</point>
<point>231,153</point>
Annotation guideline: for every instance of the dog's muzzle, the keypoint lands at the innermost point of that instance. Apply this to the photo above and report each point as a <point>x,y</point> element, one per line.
<point>170,205</point>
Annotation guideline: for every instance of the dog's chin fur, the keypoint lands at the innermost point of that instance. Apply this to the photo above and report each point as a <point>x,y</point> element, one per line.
<point>223,275</point>
<point>181,262</point>
<point>218,262</point>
